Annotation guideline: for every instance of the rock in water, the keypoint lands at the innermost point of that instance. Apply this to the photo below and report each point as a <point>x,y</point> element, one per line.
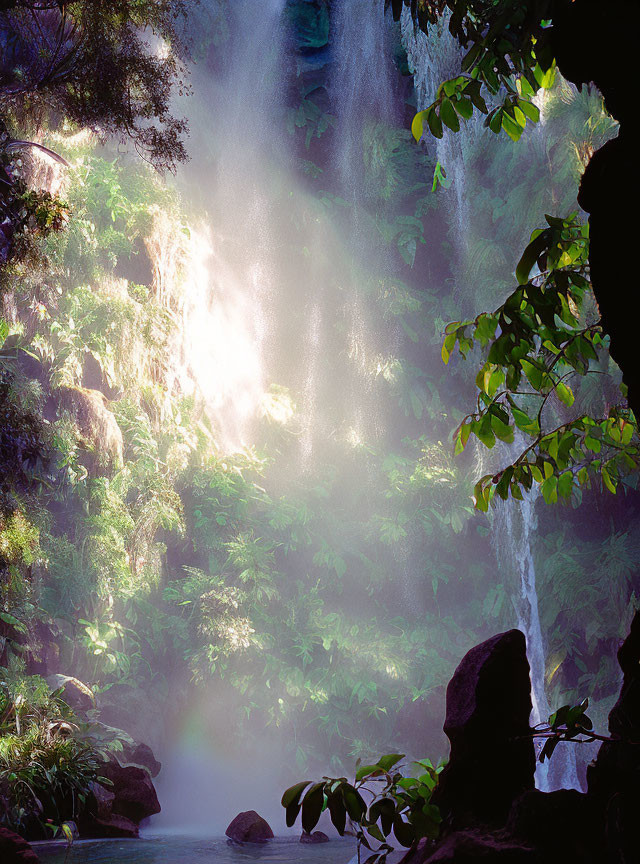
<point>135,796</point>
<point>614,778</point>
<point>316,837</point>
<point>249,827</point>
<point>15,850</point>
<point>492,757</point>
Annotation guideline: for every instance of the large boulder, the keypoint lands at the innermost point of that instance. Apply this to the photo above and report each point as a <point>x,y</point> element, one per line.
<point>76,694</point>
<point>614,778</point>
<point>15,850</point>
<point>492,758</point>
<point>249,827</point>
<point>135,795</point>
<point>100,820</point>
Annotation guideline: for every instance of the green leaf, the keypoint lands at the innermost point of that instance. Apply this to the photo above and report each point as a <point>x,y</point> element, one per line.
<point>449,116</point>
<point>513,129</point>
<point>312,807</point>
<point>530,256</point>
<point>354,802</point>
<point>365,770</point>
<point>337,811</point>
<point>464,107</point>
<point>404,832</point>
<point>293,793</point>
<point>565,394</point>
<point>417,125</point>
<point>532,111</point>
<point>387,762</point>
<point>435,123</point>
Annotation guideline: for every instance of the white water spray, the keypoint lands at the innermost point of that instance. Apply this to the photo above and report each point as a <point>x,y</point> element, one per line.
<point>513,530</point>
<point>432,59</point>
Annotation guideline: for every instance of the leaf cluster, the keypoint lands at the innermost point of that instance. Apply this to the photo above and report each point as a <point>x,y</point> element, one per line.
<point>537,342</point>
<point>398,805</point>
<point>508,56</point>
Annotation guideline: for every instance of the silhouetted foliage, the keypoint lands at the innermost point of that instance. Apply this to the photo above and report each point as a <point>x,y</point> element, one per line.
<point>110,67</point>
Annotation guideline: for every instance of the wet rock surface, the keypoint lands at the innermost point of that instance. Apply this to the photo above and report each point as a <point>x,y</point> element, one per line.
<point>134,793</point>
<point>15,850</point>
<point>249,827</point>
<point>142,754</point>
<point>492,758</point>
<point>315,837</point>
<point>76,694</point>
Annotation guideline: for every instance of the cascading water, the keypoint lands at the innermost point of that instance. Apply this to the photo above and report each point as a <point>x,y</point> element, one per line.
<point>227,293</point>
<point>512,534</point>
<point>363,87</point>
<point>433,59</point>
<point>363,91</point>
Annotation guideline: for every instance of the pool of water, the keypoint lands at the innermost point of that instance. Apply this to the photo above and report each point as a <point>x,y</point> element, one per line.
<point>190,850</point>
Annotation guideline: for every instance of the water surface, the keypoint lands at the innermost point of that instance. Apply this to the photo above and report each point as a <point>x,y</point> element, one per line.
<point>190,850</point>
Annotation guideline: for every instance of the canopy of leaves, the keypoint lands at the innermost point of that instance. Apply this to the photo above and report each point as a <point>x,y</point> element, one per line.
<point>537,343</point>
<point>107,66</point>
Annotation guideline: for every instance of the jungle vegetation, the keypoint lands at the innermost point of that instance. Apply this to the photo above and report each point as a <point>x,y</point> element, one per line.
<point>139,557</point>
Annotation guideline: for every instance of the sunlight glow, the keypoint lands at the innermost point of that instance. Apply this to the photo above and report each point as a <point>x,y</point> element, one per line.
<point>223,326</point>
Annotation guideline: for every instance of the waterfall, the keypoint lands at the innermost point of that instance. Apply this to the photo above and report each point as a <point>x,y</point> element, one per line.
<point>363,92</point>
<point>433,59</point>
<point>363,85</point>
<point>228,295</point>
<point>514,526</point>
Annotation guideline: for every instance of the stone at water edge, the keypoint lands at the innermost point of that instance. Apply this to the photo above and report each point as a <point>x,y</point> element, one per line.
<point>135,795</point>
<point>315,837</point>
<point>15,850</point>
<point>249,827</point>
<point>113,827</point>
<point>492,758</point>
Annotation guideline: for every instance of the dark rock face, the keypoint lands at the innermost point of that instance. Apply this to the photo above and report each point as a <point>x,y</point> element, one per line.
<point>135,796</point>
<point>249,827</point>
<point>104,822</point>
<point>614,778</point>
<point>590,46</point>
<point>76,694</point>
<point>562,825</point>
<point>104,799</point>
<point>467,847</point>
<point>142,754</point>
<point>316,837</point>
<point>15,850</point>
<point>115,826</point>
<point>492,760</point>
